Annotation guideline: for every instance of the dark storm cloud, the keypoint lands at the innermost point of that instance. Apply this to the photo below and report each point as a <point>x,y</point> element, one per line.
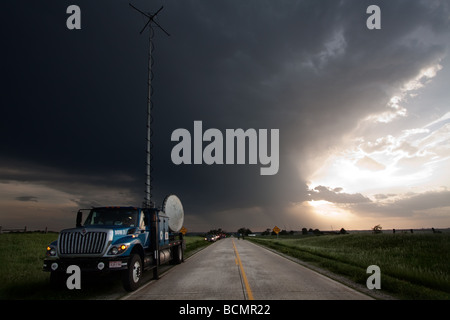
<point>424,201</point>
<point>27,198</point>
<point>406,205</point>
<point>392,205</point>
<point>336,195</point>
<point>75,101</point>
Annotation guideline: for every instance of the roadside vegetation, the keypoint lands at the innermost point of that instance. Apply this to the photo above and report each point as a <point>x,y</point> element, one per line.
<point>413,266</point>
<point>194,243</point>
<point>21,275</point>
<point>21,257</point>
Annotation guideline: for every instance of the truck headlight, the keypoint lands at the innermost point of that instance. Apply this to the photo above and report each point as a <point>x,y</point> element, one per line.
<point>51,251</point>
<point>118,249</point>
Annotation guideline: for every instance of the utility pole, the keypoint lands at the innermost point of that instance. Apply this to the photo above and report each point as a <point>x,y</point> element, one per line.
<point>148,195</point>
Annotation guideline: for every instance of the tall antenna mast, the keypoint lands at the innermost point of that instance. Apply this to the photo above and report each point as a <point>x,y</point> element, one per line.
<point>148,195</point>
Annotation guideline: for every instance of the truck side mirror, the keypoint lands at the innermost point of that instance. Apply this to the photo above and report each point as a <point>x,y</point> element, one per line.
<point>79,218</point>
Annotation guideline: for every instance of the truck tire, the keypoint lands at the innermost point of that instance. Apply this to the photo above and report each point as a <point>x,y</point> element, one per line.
<point>131,277</point>
<point>178,255</point>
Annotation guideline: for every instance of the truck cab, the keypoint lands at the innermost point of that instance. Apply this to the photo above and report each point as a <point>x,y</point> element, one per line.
<point>116,239</point>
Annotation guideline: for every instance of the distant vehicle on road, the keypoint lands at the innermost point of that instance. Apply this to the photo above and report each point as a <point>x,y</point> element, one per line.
<point>211,238</point>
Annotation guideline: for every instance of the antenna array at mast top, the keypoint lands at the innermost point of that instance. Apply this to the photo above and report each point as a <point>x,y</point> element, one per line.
<point>150,19</point>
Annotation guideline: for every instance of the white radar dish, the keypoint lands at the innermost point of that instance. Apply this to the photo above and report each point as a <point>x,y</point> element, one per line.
<point>173,208</point>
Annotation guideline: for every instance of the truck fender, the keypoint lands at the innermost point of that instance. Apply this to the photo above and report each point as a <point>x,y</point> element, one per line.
<point>138,249</point>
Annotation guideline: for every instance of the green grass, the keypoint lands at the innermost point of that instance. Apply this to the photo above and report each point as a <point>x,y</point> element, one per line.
<point>21,275</point>
<point>193,243</point>
<point>21,260</point>
<point>413,266</point>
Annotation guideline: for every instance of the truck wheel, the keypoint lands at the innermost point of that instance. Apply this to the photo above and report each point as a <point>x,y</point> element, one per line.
<point>132,276</point>
<point>178,255</point>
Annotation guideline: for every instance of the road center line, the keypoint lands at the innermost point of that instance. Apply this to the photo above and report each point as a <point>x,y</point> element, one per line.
<point>244,277</point>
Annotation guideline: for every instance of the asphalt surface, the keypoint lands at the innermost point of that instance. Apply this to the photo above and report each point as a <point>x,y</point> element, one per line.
<point>233,269</point>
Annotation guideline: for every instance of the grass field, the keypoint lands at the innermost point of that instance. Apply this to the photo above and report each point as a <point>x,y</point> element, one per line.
<point>413,266</point>
<point>21,275</point>
<point>21,257</point>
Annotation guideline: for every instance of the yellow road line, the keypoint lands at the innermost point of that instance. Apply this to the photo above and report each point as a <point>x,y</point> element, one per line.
<point>244,277</point>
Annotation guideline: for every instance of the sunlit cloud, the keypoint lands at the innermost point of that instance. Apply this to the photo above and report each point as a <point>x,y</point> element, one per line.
<point>394,106</point>
<point>409,159</point>
<point>399,173</point>
<point>394,111</point>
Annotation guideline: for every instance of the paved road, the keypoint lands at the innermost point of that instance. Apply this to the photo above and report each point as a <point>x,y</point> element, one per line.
<point>233,269</point>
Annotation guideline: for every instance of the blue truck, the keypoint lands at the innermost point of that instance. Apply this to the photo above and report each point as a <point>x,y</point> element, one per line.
<point>120,239</point>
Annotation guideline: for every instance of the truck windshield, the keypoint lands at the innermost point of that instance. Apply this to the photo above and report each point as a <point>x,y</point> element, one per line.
<point>126,217</point>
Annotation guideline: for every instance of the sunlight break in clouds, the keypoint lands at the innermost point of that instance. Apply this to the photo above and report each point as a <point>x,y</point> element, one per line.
<point>390,169</point>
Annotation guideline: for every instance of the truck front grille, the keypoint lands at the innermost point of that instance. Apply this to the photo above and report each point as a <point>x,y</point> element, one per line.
<point>75,242</point>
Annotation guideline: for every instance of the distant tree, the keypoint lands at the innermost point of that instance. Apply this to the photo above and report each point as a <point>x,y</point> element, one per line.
<point>342,231</point>
<point>377,229</point>
<point>216,231</point>
<point>435,231</point>
<point>304,231</point>
<point>266,233</point>
<point>317,232</point>
<point>244,231</point>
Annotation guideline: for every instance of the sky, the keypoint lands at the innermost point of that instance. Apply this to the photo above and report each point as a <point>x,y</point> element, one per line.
<point>363,114</point>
